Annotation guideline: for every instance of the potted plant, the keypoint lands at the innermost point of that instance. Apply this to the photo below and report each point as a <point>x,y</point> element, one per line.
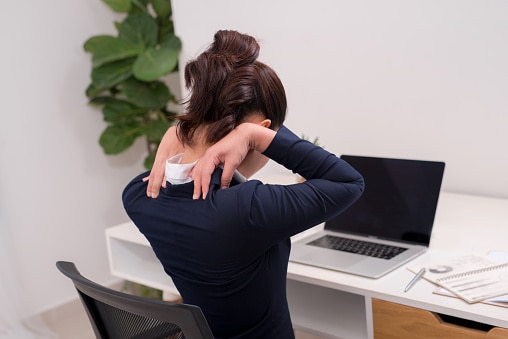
<point>126,75</point>
<point>315,141</point>
<point>126,83</point>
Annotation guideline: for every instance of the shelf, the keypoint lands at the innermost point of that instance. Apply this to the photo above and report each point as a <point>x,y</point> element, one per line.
<point>133,259</point>
<point>326,312</point>
<point>127,232</point>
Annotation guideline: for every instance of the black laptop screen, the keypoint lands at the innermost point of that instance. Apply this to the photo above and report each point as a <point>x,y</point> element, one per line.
<point>399,201</point>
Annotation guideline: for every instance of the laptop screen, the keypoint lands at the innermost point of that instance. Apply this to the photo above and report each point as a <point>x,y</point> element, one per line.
<point>399,201</point>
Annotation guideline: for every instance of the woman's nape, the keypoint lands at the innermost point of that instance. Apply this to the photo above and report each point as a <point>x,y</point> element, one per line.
<point>253,161</point>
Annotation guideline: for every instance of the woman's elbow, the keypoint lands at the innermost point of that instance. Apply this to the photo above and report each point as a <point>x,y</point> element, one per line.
<point>360,184</point>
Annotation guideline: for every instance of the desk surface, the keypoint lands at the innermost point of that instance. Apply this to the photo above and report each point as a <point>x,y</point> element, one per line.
<point>463,224</point>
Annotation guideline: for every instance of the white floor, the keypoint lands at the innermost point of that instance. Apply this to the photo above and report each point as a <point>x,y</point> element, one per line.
<point>71,322</point>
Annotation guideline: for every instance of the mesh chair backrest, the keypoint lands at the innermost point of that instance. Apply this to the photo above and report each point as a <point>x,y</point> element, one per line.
<point>124,324</point>
<point>118,315</point>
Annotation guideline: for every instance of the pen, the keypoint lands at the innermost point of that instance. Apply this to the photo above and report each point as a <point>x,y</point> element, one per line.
<point>415,279</point>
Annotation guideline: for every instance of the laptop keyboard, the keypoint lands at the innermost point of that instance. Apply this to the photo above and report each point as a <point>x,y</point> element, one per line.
<point>371,249</point>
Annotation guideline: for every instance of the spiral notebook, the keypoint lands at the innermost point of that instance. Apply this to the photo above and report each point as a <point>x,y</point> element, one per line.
<point>472,277</point>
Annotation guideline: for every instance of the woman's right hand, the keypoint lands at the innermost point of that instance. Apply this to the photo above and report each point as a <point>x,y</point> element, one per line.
<point>169,146</point>
<point>230,151</point>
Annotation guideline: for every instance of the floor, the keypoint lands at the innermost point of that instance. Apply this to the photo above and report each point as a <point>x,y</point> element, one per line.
<point>71,322</point>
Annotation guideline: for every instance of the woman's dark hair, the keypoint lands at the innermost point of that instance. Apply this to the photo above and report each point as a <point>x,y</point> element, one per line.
<point>227,84</point>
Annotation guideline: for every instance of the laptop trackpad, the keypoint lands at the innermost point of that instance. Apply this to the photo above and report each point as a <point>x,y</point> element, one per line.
<point>330,259</point>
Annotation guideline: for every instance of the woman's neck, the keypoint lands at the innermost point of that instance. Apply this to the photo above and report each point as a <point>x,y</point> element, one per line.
<point>197,149</point>
<point>191,154</point>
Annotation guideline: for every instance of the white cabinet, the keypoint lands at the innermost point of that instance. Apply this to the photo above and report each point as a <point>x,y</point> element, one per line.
<point>315,309</point>
<point>131,258</point>
<point>328,312</point>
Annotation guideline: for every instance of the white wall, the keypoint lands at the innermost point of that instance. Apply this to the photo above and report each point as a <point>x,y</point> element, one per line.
<point>58,191</point>
<point>415,79</point>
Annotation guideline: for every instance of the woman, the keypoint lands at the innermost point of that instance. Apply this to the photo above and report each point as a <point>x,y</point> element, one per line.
<point>224,240</point>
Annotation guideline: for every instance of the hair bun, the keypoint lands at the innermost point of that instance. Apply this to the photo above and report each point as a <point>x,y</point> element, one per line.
<point>235,48</point>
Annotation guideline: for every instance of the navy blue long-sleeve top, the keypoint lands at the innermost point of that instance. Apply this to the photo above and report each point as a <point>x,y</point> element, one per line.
<point>228,254</point>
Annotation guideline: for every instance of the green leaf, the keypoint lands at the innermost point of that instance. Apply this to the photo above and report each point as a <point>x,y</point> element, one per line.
<point>154,63</point>
<point>139,6</point>
<point>173,42</point>
<point>91,44</point>
<point>112,74</point>
<point>139,29</point>
<point>155,129</point>
<point>92,91</point>
<point>151,95</point>
<point>149,160</point>
<point>122,113</point>
<point>114,50</point>
<point>101,100</point>
<point>141,290</point>
<point>169,115</point>
<point>116,139</point>
<point>162,8</point>
<point>120,6</point>
<point>166,28</point>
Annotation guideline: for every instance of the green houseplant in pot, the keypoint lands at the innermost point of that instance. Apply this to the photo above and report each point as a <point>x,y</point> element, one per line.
<point>127,72</point>
<point>127,83</point>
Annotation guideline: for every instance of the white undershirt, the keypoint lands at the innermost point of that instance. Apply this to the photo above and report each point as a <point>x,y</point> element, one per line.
<point>177,173</point>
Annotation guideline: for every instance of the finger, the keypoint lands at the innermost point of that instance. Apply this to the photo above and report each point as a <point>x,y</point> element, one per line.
<point>149,186</point>
<point>201,174</point>
<point>227,175</point>
<point>154,184</point>
<point>205,184</point>
<point>197,187</point>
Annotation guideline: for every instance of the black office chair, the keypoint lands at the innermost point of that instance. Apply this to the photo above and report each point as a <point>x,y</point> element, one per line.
<point>117,315</point>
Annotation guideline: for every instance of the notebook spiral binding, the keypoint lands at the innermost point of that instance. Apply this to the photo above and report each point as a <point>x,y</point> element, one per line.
<point>468,273</point>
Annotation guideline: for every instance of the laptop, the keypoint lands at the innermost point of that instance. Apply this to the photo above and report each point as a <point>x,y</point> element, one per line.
<point>389,225</point>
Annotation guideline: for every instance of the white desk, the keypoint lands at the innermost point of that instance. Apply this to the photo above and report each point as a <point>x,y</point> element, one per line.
<point>335,304</point>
